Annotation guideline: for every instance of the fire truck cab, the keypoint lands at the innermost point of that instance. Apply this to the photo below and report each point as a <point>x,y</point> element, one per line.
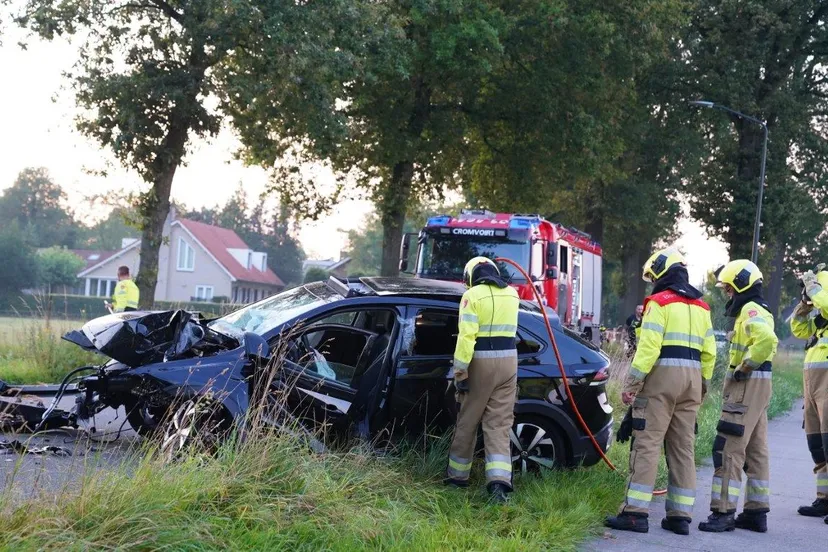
<point>564,264</point>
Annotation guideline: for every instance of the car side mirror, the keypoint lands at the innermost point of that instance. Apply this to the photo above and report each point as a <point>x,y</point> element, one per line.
<point>256,348</point>
<point>405,250</point>
<point>552,272</point>
<point>551,254</point>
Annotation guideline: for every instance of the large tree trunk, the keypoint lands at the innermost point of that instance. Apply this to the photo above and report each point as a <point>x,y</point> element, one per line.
<point>393,217</point>
<point>742,214</point>
<point>635,288</point>
<point>773,278</point>
<point>394,203</point>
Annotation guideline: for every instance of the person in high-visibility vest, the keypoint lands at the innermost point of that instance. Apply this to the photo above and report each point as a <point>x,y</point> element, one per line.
<point>485,376</point>
<point>741,443</point>
<point>126,293</point>
<point>810,322</point>
<point>666,384</point>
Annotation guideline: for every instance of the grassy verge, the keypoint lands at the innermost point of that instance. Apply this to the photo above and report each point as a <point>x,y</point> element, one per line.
<point>31,350</point>
<point>271,493</point>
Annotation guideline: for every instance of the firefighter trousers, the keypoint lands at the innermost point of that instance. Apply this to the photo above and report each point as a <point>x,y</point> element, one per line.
<point>664,413</point>
<point>741,444</point>
<point>490,401</point>
<point>816,423</point>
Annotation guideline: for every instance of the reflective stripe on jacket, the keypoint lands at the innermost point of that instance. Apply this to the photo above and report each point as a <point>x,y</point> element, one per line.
<point>754,341</point>
<point>804,327</point>
<point>126,295</point>
<point>487,325</point>
<point>675,331</point>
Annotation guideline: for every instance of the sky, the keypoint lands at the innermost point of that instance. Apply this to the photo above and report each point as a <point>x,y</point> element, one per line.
<point>37,115</point>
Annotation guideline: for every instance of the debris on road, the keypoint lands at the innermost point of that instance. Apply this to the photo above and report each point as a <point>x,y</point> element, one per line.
<point>16,447</point>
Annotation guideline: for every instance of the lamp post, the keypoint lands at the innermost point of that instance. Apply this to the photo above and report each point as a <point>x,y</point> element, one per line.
<point>754,255</point>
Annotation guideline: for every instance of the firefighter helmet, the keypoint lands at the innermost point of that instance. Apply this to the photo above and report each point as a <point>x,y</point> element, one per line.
<point>660,262</point>
<point>740,274</point>
<point>469,269</point>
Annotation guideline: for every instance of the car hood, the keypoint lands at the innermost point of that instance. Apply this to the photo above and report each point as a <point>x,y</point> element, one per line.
<point>141,338</point>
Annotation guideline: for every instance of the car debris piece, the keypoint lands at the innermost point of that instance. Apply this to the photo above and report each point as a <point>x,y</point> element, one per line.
<point>12,447</point>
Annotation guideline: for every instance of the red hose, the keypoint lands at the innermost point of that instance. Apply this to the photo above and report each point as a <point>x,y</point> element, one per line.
<point>580,418</point>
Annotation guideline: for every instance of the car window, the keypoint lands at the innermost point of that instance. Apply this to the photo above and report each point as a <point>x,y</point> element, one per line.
<point>435,334</point>
<point>333,353</point>
<point>343,318</point>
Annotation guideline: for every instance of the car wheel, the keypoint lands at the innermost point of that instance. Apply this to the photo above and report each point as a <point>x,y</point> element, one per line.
<point>195,427</point>
<point>143,418</point>
<point>536,445</point>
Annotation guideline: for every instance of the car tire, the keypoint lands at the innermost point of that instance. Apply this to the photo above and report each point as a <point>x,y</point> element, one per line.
<point>537,444</point>
<point>145,420</point>
<point>196,427</point>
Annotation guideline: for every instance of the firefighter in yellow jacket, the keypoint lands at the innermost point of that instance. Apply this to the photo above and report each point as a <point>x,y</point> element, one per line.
<point>126,293</point>
<point>741,443</point>
<point>666,384</point>
<point>485,376</point>
<point>810,322</point>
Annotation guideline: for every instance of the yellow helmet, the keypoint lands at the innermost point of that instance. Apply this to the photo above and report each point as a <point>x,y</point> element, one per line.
<point>740,274</point>
<point>467,271</point>
<point>660,262</point>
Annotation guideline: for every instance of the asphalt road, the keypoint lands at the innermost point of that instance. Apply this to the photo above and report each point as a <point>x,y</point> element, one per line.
<point>792,485</point>
<point>28,475</point>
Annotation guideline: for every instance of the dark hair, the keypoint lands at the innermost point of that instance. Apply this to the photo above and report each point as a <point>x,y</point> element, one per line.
<point>123,271</point>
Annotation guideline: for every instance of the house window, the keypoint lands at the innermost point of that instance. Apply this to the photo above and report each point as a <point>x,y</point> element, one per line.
<point>186,256</point>
<point>204,293</point>
<point>255,295</point>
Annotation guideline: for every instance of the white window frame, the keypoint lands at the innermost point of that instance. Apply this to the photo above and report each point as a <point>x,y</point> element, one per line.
<point>189,255</point>
<point>204,296</point>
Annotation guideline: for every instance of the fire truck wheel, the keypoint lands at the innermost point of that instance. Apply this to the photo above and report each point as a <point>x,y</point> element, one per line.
<point>536,445</point>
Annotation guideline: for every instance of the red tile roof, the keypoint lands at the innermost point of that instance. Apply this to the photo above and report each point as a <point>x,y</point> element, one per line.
<point>89,256</point>
<point>217,241</point>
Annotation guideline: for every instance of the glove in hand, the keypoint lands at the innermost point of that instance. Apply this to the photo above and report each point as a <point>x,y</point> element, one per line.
<point>462,386</point>
<point>809,279</point>
<point>739,376</point>
<point>625,429</point>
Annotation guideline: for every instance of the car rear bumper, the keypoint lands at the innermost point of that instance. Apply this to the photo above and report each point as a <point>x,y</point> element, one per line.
<point>583,451</point>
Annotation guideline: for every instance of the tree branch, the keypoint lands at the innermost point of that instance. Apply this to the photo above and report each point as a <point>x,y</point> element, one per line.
<point>167,9</point>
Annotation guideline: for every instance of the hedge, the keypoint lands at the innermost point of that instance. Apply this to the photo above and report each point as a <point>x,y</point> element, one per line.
<point>81,307</point>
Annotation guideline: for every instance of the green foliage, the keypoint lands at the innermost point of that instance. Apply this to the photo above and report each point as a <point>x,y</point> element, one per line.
<point>37,204</point>
<point>108,234</point>
<point>58,267</point>
<point>316,274</point>
<point>18,269</point>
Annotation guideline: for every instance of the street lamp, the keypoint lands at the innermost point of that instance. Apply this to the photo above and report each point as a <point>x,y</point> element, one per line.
<point>754,255</point>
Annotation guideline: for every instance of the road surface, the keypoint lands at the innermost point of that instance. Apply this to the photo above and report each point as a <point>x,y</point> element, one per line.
<point>792,485</point>
<point>26,475</point>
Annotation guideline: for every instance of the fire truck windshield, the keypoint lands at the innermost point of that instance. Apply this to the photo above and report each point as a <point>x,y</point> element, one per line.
<point>444,256</point>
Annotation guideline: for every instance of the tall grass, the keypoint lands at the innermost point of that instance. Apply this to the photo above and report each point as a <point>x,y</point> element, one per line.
<point>31,350</point>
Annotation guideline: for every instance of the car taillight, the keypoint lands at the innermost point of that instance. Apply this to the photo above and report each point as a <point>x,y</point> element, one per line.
<point>600,377</point>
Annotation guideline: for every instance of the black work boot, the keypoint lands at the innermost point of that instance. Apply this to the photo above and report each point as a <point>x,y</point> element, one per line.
<point>818,509</point>
<point>636,523</point>
<point>678,525</point>
<point>457,483</point>
<point>498,493</point>
<point>718,523</point>
<point>753,521</point>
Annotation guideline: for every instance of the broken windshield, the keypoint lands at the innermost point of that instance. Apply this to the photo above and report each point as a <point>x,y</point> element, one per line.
<point>444,256</point>
<point>264,316</point>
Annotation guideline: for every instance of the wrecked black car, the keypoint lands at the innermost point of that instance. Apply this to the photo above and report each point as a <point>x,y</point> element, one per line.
<point>370,356</point>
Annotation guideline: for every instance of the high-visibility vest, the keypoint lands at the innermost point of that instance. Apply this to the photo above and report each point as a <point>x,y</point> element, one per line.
<point>805,327</point>
<point>126,295</point>
<point>754,342</point>
<point>675,332</point>
<point>487,325</point>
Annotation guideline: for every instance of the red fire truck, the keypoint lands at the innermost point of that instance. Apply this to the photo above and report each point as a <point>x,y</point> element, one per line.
<point>563,263</point>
